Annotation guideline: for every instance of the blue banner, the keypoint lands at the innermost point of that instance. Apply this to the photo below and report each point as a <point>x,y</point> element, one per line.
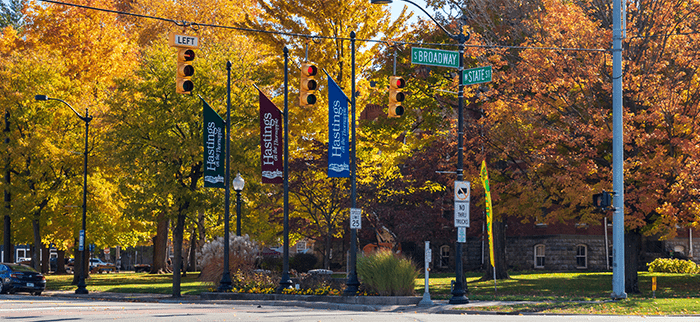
<point>338,133</point>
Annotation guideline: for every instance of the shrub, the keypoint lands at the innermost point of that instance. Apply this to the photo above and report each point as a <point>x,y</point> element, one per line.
<point>242,255</point>
<point>303,262</point>
<point>672,265</point>
<point>387,273</point>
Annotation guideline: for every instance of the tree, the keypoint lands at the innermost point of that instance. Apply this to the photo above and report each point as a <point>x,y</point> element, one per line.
<point>320,204</point>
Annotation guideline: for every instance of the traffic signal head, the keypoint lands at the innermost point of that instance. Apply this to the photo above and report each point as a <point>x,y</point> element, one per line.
<point>396,95</point>
<point>308,85</point>
<point>185,56</point>
<point>602,200</point>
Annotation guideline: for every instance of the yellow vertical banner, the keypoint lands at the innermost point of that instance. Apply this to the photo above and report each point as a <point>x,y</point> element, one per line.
<point>489,211</point>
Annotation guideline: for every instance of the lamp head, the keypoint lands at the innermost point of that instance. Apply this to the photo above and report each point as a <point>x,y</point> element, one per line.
<point>41,98</point>
<point>238,183</point>
<point>380,1</point>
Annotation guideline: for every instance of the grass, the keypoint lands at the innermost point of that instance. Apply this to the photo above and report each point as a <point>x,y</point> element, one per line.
<point>560,293</point>
<point>131,283</point>
<point>578,293</point>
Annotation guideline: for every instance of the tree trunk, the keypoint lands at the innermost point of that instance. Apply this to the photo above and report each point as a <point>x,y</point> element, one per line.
<point>60,262</point>
<point>160,245</point>
<point>44,259</point>
<point>36,261</point>
<point>633,243</point>
<point>327,252</point>
<point>178,233</point>
<point>499,251</point>
<point>192,258</point>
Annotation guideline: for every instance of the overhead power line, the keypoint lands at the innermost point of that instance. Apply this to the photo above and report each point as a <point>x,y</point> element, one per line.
<point>184,23</point>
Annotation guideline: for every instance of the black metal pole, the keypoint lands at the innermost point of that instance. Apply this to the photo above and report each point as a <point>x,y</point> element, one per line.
<point>225,283</point>
<point>459,289</point>
<point>238,213</point>
<point>352,283</point>
<point>7,223</point>
<point>81,283</point>
<point>286,282</point>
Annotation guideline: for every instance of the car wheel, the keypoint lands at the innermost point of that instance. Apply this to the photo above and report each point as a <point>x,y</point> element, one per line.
<point>37,293</point>
<point>2,288</point>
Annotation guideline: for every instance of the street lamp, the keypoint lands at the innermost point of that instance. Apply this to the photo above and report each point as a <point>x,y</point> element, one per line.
<point>238,184</point>
<point>87,118</point>
<point>459,289</point>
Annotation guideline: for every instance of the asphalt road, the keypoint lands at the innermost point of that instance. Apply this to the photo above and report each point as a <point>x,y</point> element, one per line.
<point>41,308</point>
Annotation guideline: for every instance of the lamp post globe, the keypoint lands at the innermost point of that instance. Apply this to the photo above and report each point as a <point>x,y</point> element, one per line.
<point>238,184</point>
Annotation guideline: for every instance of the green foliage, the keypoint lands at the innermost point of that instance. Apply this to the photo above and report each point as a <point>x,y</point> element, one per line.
<point>302,262</point>
<point>673,265</point>
<point>387,273</point>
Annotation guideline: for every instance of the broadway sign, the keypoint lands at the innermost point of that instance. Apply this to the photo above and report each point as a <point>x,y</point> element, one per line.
<point>434,57</point>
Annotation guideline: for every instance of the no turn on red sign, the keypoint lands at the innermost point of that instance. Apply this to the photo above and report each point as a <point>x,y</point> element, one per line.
<point>462,196</point>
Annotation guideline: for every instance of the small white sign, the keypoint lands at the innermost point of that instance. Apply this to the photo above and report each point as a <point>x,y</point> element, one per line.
<point>355,218</point>
<point>462,194</point>
<point>461,234</point>
<point>183,41</point>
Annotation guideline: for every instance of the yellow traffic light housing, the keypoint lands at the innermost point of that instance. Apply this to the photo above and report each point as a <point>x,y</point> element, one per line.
<point>308,85</point>
<point>396,95</point>
<point>185,56</point>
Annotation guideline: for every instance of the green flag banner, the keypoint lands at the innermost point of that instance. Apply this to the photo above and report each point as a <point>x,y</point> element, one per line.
<point>214,166</point>
<point>489,210</point>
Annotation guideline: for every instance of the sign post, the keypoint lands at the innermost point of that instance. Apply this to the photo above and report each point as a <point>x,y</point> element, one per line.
<point>428,258</point>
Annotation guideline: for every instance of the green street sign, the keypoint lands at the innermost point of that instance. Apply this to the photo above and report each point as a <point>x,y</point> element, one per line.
<point>434,57</point>
<point>476,75</point>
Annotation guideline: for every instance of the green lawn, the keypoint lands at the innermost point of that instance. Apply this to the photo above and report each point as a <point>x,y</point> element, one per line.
<point>131,283</point>
<point>568,292</point>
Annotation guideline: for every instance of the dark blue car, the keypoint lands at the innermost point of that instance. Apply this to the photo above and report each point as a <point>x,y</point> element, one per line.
<point>20,278</point>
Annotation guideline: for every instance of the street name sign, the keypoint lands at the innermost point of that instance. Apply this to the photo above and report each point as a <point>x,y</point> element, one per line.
<point>476,75</point>
<point>434,57</point>
<point>462,192</point>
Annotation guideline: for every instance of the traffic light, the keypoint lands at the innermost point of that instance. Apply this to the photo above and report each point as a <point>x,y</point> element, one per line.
<point>185,56</point>
<point>308,85</point>
<point>602,200</point>
<point>396,95</point>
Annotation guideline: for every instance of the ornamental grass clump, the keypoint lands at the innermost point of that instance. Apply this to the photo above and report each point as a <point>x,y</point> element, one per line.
<point>673,265</point>
<point>242,255</point>
<point>387,273</point>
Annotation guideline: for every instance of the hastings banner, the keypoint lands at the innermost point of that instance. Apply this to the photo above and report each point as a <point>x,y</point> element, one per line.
<point>214,167</point>
<point>338,134</point>
<point>270,141</point>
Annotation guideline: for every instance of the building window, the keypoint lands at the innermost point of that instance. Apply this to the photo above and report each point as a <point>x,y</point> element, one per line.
<point>581,256</point>
<point>444,256</point>
<point>539,256</point>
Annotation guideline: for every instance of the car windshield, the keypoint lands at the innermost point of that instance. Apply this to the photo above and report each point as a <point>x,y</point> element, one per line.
<point>21,268</point>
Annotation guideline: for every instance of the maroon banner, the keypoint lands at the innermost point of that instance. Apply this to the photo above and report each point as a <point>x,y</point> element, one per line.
<point>270,141</point>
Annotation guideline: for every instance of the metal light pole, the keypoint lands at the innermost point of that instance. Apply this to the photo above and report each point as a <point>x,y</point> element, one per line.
<point>459,289</point>
<point>238,184</point>
<point>225,283</point>
<point>81,282</point>
<point>618,279</point>
<point>353,283</point>
<point>285,281</point>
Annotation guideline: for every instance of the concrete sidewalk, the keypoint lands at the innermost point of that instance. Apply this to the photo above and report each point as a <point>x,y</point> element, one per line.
<point>349,303</point>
